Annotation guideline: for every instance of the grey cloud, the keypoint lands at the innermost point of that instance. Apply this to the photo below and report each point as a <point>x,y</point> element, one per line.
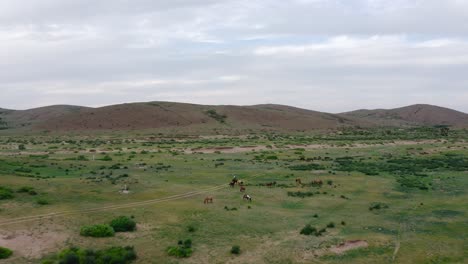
<point>330,55</point>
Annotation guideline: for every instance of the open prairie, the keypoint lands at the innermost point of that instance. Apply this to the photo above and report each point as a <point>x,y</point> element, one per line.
<point>359,196</point>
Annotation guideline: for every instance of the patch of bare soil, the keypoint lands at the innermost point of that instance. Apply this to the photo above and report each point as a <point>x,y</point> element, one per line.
<point>349,245</point>
<point>32,244</point>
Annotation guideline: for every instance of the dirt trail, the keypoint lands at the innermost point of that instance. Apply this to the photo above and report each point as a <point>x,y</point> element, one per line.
<point>110,207</point>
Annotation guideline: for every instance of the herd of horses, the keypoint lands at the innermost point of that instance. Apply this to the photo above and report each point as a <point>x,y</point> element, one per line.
<point>247,197</point>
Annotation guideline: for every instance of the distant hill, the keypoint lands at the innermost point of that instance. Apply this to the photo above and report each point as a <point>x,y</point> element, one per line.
<point>418,114</point>
<point>166,115</point>
<point>199,119</point>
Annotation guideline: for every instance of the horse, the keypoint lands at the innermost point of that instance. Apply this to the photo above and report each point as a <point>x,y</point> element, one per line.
<point>242,189</point>
<point>317,182</point>
<point>231,184</point>
<point>271,184</point>
<point>247,197</point>
<point>208,200</point>
<point>298,181</point>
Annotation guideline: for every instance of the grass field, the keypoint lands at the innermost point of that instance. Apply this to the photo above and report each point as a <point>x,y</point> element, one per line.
<point>401,196</point>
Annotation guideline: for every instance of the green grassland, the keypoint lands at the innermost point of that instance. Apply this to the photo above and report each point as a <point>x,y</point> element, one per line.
<point>415,181</point>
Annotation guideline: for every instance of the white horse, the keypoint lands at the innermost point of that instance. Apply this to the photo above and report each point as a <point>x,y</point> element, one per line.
<point>247,197</point>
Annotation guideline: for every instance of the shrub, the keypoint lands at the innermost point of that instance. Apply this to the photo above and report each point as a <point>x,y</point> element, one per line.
<point>123,224</point>
<point>331,225</point>
<point>5,253</point>
<point>42,201</point>
<point>6,193</point>
<point>377,206</point>
<point>25,189</point>
<point>120,255</point>
<point>300,194</point>
<point>182,250</point>
<point>97,231</point>
<point>235,250</point>
<point>191,229</point>
<point>308,230</point>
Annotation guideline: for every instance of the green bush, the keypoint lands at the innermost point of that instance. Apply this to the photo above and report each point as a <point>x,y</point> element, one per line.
<point>42,201</point>
<point>117,255</point>
<point>331,225</point>
<point>235,250</point>
<point>97,231</point>
<point>182,250</point>
<point>191,229</point>
<point>5,253</point>
<point>377,206</point>
<point>308,230</point>
<point>6,193</point>
<point>25,189</point>
<point>123,224</point>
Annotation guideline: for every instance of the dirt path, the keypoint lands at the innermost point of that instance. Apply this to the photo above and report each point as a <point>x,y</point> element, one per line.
<point>397,243</point>
<point>117,206</point>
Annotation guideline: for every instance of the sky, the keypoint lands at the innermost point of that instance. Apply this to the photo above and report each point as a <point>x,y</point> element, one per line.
<point>325,55</point>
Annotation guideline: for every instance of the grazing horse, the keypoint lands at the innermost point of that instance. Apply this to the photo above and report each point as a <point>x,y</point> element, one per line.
<point>242,189</point>
<point>317,182</point>
<point>298,181</point>
<point>231,184</point>
<point>247,197</point>
<point>271,184</point>
<point>208,200</point>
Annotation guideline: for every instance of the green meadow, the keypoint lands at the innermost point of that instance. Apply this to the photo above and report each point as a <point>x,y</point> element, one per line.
<point>395,196</point>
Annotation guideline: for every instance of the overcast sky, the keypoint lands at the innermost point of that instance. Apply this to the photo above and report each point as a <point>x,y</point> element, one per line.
<point>326,55</point>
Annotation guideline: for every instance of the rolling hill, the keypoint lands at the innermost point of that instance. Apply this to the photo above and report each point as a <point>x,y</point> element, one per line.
<point>187,118</point>
<point>418,114</point>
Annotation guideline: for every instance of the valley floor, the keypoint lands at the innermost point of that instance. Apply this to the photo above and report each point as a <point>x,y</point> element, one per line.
<point>374,201</point>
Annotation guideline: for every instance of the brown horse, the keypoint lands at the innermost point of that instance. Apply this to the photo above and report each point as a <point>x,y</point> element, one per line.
<point>242,189</point>
<point>271,184</point>
<point>208,200</point>
<point>298,181</point>
<point>231,184</point>
<point>317,183</point>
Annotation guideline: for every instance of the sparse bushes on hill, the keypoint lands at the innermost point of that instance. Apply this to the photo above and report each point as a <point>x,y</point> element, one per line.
<point>123,224</point>
<point>97,231</point>
<point>5,253</point>
<point>216,116</point>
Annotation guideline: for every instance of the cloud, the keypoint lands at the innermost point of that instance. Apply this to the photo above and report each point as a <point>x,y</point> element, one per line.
<point>329,55</point>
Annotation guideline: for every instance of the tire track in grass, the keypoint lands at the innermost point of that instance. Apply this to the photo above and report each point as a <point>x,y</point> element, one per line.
<point>110,207</point>
<point>117,206</point>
